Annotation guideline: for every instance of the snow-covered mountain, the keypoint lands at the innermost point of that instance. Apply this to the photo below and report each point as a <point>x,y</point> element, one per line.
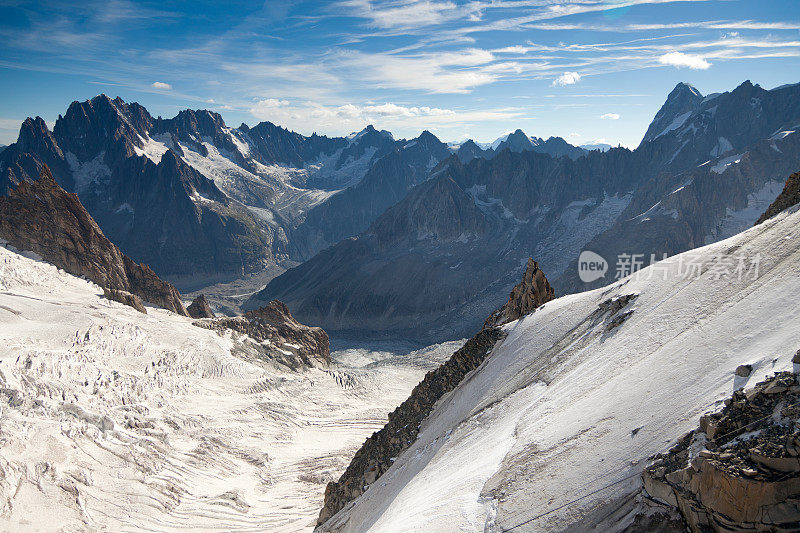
<point>189,195</point>
<point>553,430</point>
<point>117,420</point>
<point>441,259</point>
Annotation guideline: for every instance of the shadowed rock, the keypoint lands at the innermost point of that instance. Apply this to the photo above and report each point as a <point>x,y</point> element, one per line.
<point>124,297</point>
<point>199,308</point>
<point>41,217</point>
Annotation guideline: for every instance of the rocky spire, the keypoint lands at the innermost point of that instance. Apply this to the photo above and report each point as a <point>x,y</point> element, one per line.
<point>533,291</point>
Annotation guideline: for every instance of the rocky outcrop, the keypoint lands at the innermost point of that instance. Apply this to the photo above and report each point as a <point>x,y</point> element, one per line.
<point>283,339</point>
<point>787,198</point>
<point>124,297</point>
<point>530,293</point>
<point>740,471</point>
<point>41,217</point>
<point>376,454</point>
<point>199,308</point>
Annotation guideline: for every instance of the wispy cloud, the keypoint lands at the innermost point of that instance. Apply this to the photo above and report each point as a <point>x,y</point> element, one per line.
<point>161,85</point>
<point>610,116</point>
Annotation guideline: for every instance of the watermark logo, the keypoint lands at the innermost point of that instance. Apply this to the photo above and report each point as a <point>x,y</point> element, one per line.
<point>591,266</point>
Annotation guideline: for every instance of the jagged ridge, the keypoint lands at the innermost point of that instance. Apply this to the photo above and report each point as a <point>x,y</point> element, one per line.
<point>41,217</point>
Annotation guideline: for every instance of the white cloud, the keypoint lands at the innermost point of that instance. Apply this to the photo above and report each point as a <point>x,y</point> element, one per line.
<point>448,72</point>
<point>161,85</point>
<point>264,108</point>
<point>610,116</point>
<point>568,78</point>
<point>574,135</point>
<point>679,59</point>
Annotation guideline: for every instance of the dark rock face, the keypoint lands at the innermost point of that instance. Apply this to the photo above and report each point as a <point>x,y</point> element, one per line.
<point>199,308</point>
<point>735,484</point>
<point>41,217</point>
<point>469,151</point>
<point>447,255</point>
<point>684,99</point>
<point>530,293</point>
<point>388,181</point>
<point>124,297</point>
<point>787,198</point>
<point>670,214</point>
<point>287,340</point>
<point>400,432</point>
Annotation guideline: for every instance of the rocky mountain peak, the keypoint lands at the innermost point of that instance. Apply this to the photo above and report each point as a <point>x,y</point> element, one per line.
<point>198,122</point>
<point>682,100</point>
<point>101,124</point>
<point>516,142</point>
<point>468,151</point>
<point>34,136</point>
<point>428,138</point>
<point>533,291</point>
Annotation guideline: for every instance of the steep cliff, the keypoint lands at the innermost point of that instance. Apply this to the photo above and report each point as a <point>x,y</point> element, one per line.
<point>39,216</point>
<point>379,451</point>
<point>532,292</point>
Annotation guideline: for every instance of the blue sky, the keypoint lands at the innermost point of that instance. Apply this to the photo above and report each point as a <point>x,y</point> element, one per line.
<point>584,69</point>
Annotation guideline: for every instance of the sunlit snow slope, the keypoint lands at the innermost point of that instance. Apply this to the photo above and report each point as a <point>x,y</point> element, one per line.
<point>568,404</point>
<point>115,420</point>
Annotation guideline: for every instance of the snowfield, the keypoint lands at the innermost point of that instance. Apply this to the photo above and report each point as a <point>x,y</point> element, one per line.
<point>550,432</point>
<point>115,420</point>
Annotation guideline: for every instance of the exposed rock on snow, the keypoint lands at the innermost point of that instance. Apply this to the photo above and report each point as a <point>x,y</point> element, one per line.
<point>41,217</point>
<point>124,297</point>
<point>282,337</point>
<point>787,198</point>
<point>740,471</point>
<point>530,293</point>
<point>199,308</point>
<point>377,454</point>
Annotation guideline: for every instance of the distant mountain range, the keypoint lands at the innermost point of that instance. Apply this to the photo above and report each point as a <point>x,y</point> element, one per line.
<point>439,261</point>
<point>412,237</point>
<point>191,196</point>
